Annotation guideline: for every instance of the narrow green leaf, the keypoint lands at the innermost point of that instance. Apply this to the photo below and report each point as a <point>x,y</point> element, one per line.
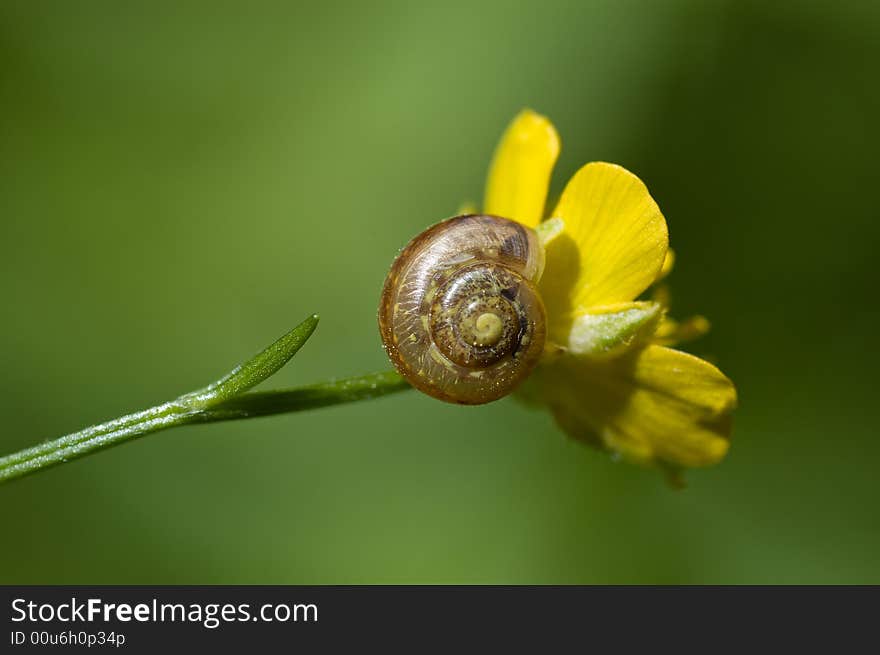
<point>249,374</point>
<point>222,401</point>
<point>333,392</point>
<point>169,415</point>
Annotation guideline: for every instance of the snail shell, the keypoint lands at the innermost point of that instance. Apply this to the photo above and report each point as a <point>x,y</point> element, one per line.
<point>460,315</point>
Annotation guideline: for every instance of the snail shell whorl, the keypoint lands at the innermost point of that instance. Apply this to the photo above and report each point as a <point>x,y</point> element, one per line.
<point>460,315</point>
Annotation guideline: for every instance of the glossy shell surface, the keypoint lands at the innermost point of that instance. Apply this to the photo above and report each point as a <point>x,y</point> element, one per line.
<point>460,315</point>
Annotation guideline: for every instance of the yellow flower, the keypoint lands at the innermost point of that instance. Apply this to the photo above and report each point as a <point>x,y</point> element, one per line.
<point>606,374</point>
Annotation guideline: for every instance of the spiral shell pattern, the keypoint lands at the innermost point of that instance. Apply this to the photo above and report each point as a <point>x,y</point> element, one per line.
<point>460,315</point>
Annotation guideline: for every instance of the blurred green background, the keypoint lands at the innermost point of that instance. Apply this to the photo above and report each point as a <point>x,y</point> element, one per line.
<point>181,183</point>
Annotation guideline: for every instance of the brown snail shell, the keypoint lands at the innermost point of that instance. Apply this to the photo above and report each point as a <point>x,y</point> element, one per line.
<point>460,314</point>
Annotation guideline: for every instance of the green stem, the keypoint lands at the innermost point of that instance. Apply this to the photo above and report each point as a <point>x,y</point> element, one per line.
<point>313,396</point>
<point>224,400</point>
<point>185,410</point>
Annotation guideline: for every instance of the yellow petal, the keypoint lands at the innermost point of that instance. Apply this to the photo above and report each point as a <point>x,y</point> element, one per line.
<point>613,246</point>
<point>520,172</point>
<point>668,265</point>
<point>652,406</point>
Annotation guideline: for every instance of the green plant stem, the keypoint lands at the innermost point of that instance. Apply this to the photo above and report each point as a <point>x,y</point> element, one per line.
<point>226,399</point>
<point>313,396</point>
<point>191,408</point>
